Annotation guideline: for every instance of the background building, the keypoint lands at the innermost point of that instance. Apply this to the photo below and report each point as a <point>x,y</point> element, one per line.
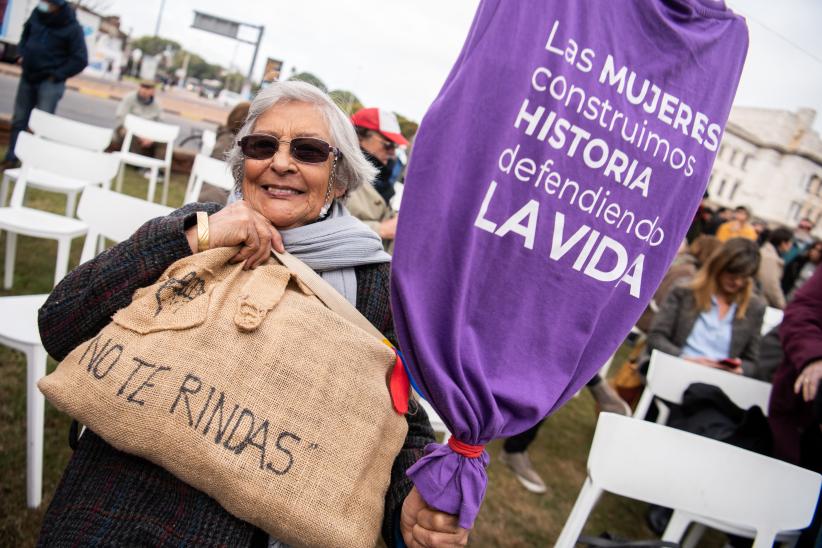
<point>771,161</point>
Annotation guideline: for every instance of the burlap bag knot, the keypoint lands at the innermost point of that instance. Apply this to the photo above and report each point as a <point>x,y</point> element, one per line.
<point>244,385</point>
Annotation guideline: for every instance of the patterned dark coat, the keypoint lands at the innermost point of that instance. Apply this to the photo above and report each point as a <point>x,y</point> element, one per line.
<point>107,497</point>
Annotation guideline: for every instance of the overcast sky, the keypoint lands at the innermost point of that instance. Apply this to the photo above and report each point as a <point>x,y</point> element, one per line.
<point>396,53</point>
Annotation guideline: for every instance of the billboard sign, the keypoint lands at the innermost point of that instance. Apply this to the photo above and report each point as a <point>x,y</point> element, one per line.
<point>217,25</point>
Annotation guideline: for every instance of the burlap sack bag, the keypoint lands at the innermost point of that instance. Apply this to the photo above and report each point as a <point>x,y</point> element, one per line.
<point>245,386</point>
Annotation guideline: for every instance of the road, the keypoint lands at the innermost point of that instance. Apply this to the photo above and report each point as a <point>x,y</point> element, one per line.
<point>90,109</point>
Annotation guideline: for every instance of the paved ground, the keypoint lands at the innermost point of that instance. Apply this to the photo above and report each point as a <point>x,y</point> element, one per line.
<point>95,101</point>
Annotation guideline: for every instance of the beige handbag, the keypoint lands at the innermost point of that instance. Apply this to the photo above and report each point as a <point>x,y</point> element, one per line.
<point>246,386</point>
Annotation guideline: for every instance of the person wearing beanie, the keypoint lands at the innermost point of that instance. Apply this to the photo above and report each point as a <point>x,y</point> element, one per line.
<point>379,134</point>
<point>52,50</point>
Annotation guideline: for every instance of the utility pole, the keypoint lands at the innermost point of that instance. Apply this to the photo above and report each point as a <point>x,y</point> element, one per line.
<point>159,18</point>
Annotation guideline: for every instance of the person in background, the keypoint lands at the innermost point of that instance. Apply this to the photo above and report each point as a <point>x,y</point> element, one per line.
<point>716,319</point>
<point>702,219</point>
<point>144,104</point>
<point>52,49</point>
<point>738,227</point>
<point>802,239</point>
<point>683,269</point>
<point>794,422</point>
<point>722,215</point>
<point>762,231</point>
<point>379,134</point>
<point>800,270</point>
<point>226,135</point>
<point>772,266</point>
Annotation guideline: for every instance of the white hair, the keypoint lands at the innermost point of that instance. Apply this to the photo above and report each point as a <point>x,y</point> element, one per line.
<point>352,168</point>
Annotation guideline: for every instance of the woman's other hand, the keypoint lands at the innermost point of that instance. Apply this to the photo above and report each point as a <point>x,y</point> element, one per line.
<point>807,383</point>
<point>239,224</point>
<point>388,228</point>
<point>701,361</point>
<point>424,527</point>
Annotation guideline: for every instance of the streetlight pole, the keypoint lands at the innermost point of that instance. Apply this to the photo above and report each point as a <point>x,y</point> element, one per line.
<point>159,18</point>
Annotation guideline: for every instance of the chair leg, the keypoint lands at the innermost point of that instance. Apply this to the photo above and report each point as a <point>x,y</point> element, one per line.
<point>167,178</point>
<point>694,535</point>
<point>120,176</point>
<point>11,251</point>
<point>71,204</point>
<point>764,539</point>
<point>587,499</point>
<point>677,526</point>
<point>4,189</point>
<point>63,249</point>
<point>152,184</point>
<point>35,417</point>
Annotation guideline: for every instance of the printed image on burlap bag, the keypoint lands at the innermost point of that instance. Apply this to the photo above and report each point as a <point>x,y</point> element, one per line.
<point>245,386</point>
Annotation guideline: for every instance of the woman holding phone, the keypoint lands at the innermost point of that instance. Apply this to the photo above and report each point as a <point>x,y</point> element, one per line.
<point>716,319</point>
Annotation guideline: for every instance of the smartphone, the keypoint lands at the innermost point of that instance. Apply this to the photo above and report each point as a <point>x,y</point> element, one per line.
<point>731,363</point>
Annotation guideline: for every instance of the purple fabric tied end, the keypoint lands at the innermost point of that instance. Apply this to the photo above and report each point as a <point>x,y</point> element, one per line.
<point>553,179</point>
<point>451,482</point>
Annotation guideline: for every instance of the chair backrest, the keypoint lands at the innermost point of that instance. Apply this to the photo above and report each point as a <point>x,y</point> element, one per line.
<point>156,131</point>
<point>683,471</point>
<point>208,140</point>
<point>114,216</point>
<point>773,317</point>
<point>60,161</point>
<point>208,170</point>
<point>668,378</point>
<point>70,132</point>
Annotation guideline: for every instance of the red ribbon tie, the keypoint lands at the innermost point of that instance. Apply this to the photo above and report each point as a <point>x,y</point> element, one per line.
<point>465,449</point>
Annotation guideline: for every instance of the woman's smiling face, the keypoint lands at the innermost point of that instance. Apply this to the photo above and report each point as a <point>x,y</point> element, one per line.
<point>287,192</point>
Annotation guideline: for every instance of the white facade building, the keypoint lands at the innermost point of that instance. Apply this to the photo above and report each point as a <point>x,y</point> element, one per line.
<point>770,161</point>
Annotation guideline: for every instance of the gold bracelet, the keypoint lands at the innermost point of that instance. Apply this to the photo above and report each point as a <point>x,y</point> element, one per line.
<point>202,231</point>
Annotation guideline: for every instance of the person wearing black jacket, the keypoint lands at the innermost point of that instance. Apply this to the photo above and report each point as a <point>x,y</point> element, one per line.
<point>52,49</point>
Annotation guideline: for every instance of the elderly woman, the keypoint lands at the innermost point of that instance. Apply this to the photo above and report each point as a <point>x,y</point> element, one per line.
<point>296,159</point>
<point>716,319</point>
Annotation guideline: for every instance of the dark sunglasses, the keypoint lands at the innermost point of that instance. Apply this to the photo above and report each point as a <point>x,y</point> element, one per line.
<point>386,144</point>
<point>307,150</point>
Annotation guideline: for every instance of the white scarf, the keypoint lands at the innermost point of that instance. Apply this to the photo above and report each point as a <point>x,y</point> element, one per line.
<point>334,246</point>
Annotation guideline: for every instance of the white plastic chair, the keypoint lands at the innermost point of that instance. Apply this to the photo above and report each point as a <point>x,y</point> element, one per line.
<point>70,132</point>
<point>773,317</point>
<point>693,474</point>
<point>159,133</point>
<point>207,142</point>
<point>207,170</point>
<point>78,168</point>
<point>60,130</point>
<point>668,377</point>
<point>111,216</point>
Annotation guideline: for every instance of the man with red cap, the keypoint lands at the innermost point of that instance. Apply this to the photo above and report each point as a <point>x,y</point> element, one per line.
<point>379,134</point>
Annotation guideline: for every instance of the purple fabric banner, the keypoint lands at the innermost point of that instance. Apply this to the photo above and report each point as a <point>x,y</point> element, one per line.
<point>551,182</point>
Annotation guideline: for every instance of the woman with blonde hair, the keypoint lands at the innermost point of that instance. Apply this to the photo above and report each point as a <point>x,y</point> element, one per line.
<point>716,319</point>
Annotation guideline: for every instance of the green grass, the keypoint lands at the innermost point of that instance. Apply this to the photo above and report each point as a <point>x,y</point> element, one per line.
<point>510,516</point>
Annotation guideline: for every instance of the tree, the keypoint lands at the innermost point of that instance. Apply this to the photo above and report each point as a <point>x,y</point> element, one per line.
<point>408,128</point>
<point>154,45</point>
<point>347,101</point>
<point>201,69</point>
<point>311,79</point>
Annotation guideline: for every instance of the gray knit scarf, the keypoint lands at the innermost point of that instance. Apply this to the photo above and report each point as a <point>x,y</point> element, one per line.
<point>334,246</point>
